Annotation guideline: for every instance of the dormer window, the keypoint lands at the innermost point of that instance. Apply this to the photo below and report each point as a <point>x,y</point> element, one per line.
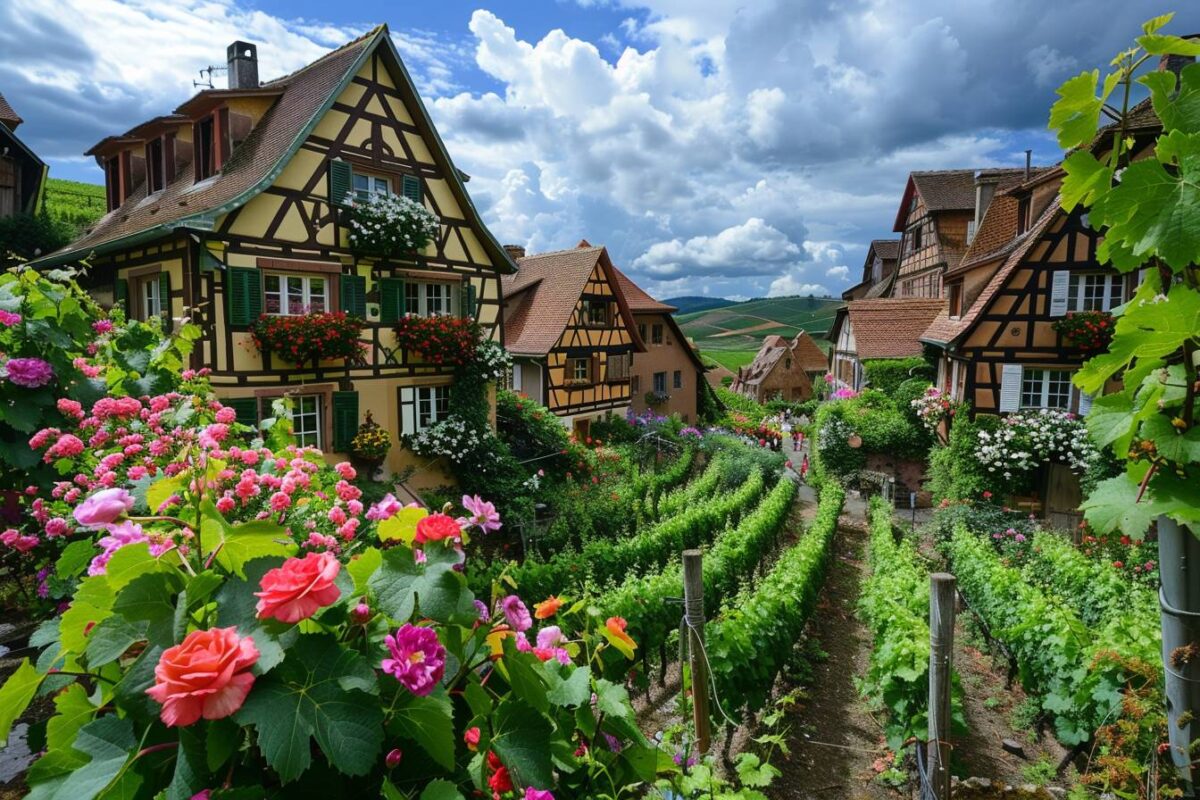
<point>156,168</point>
<point>112,182</point>
<point>954,294</point>
<point>1024,211</point>
<point>204,143</point>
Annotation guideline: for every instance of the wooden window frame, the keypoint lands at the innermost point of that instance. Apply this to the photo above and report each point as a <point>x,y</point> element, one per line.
<point>1043,390</point>
<point>156,166</point>
<point>954,299</point>
<point>434,403</point>
<point>1024,214</point>
<point>285,267</point>
<point>589,306</point>
<point>656,333</point>
<point>570,371</point>
<point>323,390</point>
<point>677,379</point>
<point>1077,290</point>
<point>374,175</point>
<point>654,382</point>
<point>137,278</point>
<point>205,154</point>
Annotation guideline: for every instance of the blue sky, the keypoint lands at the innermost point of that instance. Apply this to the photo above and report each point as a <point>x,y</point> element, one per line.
<point>723,147</point>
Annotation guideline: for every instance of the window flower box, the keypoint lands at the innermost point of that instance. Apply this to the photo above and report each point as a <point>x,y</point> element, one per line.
<point>444,341</point>
<point>1086,331</point>
<point>386,225</point>
<point>309,338</point>
<point>656,398</point>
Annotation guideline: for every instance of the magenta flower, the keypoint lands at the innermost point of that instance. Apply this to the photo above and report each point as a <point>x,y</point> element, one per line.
<point>537,794</point>
<point>550,637</point>
<point>9,318</point>
<point>483,514</point>
<point>516,613</point>
<point>386,508</point>
<point>418,659</point>
<point>32,373</point>
<point>103,326</point>
<point>103,508</point>
<point>122,535</point>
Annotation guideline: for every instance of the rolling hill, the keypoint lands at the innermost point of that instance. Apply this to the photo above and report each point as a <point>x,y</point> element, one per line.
<point>732,334</point>
<point>687,305</point>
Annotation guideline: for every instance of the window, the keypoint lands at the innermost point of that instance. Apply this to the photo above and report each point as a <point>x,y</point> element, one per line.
<point>656,334</point>
<point>1095,292</point>
<point>205,155</point>
<point>433,405</point>
<point>154,166</point>
<point>579,370</point>
<point>306,420</point>
<point>635,384</point>
<point>642,331</point>
<point>916,237</point>
<point>677,379</point>
<point>150,300</point>
<point>429,299</point>
<point>112,182</point>
<point>660,383</point>
<point>292,295</point>
<point>954,291</point>
<point>617,367</point>
<point>1045,388</point>
<point>367,185</point>
<point>1024,209</point>
<point>597,313</point>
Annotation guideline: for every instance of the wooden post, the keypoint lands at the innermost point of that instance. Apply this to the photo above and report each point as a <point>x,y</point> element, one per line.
<point>1179,568</point>
<point>693,616</point>
<point>941,655</point>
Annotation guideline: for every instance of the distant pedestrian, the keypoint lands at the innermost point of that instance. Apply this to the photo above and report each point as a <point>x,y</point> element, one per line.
<point>796,436</point>
<point>804,468</point>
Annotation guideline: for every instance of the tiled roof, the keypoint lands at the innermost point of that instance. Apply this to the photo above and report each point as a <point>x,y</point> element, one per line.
<point>811,357</point>
<point>891,327</point>
<point>943,330</point>
<point>540,297</point>
<point>887,249</point>
<point>946,190</point>
<point>637,298</point>
<point>8,116</point>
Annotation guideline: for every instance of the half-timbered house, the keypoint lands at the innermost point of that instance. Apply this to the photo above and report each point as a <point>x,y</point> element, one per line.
<point>669,372</point>
<point>883,327</point>
<point>571,333</point>
<point>22,173</point>
<point>877,271</point>
<point>232,207</point>
<point>782,369</point>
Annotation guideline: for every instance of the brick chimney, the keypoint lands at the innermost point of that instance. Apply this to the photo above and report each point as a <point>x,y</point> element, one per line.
<point>243,65</point>
<point>515,250</point>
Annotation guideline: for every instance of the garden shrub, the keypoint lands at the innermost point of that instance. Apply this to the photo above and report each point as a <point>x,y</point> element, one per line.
<point>954,471</point>
<point>739,460</point>
<point>877,421</point>
<point>886,374</point>
<point>27,236</point>
<point>986,518</point>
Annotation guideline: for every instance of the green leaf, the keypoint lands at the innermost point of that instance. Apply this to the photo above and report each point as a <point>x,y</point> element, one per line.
<point>1114,506</point>
<point>572,692</point>
<point>110,743</point>
<point>1076,113</point>
<point>525,676</point>
<point>519,739</point>
<point>74,557</point>
<point>428,721</point>
<point>304,698</point>
<point>1177,110</point>
<point>72,711</point>
<point>1174,444</point>
<point>109,639</point>
<point>158,492</point>
<point>131,562</point>
<point>1157,44</point>
<point>400,585</point>
<point>236,606</point>
<point>441,790</point>
<point>1085,179</point>
<point>16,694</point>
<point>363,566</point>
<point>151,598</point>
<point>220,743</point>
<point>244,542</point>
<point>191,766</point>
<point>752,771</point>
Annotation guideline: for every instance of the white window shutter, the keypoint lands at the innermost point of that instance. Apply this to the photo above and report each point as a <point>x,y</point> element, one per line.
<point>1010,387</point>
<point>1085,403</point>
<point>1060,281</point>
<point>517,383</point>
<point>408,410</point>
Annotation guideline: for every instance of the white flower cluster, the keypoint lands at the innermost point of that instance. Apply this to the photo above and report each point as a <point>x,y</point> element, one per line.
<point>494,360</point>
<point>453,438</point>
<point>931,408</point>
<point>834,431</point>
<point>384,224</point>
<point>1030,438</point>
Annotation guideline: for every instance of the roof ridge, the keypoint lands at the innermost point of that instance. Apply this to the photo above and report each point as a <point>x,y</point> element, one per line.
<point>560,252</point>
<point>382,27</point>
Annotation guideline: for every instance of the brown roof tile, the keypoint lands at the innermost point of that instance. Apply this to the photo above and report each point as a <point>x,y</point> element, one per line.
<point>946,190</point>
<point>637,298</point>
<point>8,116</point>
<point>806,351</point>
<point>891,327</point>
<point>886,248</point>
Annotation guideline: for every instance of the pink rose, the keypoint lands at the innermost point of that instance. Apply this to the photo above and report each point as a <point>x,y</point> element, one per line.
<point>208,675</point>
<point>296,590</point>
<point>103,508</point>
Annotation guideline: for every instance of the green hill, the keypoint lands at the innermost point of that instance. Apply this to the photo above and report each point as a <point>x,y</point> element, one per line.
<point>688,304</point>
<point>731,335</point>
<point>77,204</point>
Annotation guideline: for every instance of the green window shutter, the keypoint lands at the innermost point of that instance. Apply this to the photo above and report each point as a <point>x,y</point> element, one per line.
<point>410,187</point>
<point>391,299</point>
<point>246,409</point>
<point>243,295</point>
<point>470,300</point>
<point>121,295</point>
<point>345,420</point>
<point>164,292</point>
<point>353,290</point>
<point>341,183</point>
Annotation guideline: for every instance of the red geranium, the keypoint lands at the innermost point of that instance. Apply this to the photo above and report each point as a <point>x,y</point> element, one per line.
<point>308,338</point>
<point>439,340</point>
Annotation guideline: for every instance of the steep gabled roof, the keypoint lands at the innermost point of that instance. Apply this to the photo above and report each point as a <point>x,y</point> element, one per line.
<point>540,298</point>
<point>303,97</point>
<point>891,327</point>
<point>637,298</point>
<point>810,357</point>
<point>944,330</point>
<point>940,190</point>
<point>9,117</point>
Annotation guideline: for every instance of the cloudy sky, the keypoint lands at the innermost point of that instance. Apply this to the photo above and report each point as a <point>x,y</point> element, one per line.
<point>725,147</point>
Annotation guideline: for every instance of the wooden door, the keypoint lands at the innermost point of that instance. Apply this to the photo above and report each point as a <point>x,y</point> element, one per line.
<point>1063,496</point>
<point>10,187</point>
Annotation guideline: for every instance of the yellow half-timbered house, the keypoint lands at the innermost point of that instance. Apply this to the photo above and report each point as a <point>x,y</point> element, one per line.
<point>571,333</point>
<point>232,207</point>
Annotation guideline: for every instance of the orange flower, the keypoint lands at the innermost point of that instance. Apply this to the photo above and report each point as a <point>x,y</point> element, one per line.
<point>547,608</point>
<point>616,626</point>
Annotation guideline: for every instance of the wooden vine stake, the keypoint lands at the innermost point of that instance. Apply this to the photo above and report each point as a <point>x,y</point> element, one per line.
<point>693,616</point>
<point>941,653</point>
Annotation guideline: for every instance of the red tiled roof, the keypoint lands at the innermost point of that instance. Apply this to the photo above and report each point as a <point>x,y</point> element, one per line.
<point>637,298</point>
<point>943,329</point>
<point>886,248</point>
<point>8,116</point>
<point>811,357</point>
<point>946,190</point>
<point>891,327</point>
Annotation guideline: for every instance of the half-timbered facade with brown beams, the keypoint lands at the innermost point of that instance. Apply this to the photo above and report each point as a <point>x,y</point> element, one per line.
<point>878,267</point>
<point>934,218</point>
<point>22,173</point>
<point>571,334</point>
<point>233,207</point>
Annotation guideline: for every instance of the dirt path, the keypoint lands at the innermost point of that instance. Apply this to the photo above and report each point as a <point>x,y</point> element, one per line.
<point>834,740</point>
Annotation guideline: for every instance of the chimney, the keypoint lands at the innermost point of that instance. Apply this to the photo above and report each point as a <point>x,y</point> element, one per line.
<point>243,65</point>
<point>515,250</point>
<point>1028,163</point>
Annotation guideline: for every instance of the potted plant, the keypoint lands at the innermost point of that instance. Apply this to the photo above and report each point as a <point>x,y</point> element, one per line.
<point>451,341</point>
<point>309,338</point>
<point>370,446</point>
<point>1086,331</point>
<point>385,225</point>
<point>656,399</point>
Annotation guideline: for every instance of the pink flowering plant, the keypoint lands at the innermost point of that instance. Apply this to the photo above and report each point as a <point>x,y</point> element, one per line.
<point>234,618</point>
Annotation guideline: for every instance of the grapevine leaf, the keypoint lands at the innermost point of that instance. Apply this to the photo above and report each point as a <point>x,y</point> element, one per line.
<point>243,542</point>
<point>191,768</point>
<point>571,692</point>
<point>1177,111</point>
<point>441,790</point>
<point>428,721</point>
<point>236,605</point>
<point>1171,443</point>
<point>110,743</point>
<point>1076,113</point>
<point>16,694</point>
<point>73,711</point>
<point>109,639</point>
<point>1157,44</point>
<point>1114,506</point>
<point>519,740</point>
<point>74,558</point>
<point>362,566</point>
<point>150,598</point>
<point>1085,179</point>
<point>525,676</point>
<point>400,584</point>
<point>1111,420</point>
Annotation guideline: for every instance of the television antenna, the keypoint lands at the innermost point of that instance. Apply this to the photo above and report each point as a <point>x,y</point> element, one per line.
<point>206,76</point>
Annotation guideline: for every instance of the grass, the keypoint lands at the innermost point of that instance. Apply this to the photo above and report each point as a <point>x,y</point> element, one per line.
<point>730,359</point>
<point>730,336</point>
